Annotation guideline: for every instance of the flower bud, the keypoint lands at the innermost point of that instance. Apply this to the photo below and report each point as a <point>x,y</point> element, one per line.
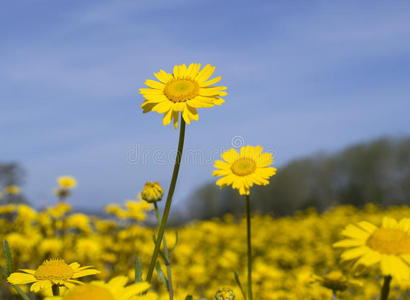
<point>152,192</point>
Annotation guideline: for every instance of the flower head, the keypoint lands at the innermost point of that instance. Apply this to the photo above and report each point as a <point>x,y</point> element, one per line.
<point>243,170</point>
<point>59,210</point>
<point>336,281</point>
<point>12,190</point>
<point>115,289</point>
<point>224,294</point>
<point>51,272</point>
<point>184,90</point>
<point>67,182</point>
<point>152,192</point>
<point>387,246</point>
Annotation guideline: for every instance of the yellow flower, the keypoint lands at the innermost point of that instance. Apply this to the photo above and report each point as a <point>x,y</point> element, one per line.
<point>184,90</point>
<point>336,281</point>
<point>115,289</point>
<point>7,209</point>
<point>59,210</point>
<point>152,192</point>
<point>387,246</point>
<point>51,272</point>
<point>12,190</point>
<point>224,294</point>
<point>243,170</point>
<point>80,221</point>
<point>67,182</point>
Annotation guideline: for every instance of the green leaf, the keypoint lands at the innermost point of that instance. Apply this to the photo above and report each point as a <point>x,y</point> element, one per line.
<point>161,275</point>
<point>160,251</point>
<point>176,242</point>
<point>20,291</point>
<point>138,270</point>
<point>3,272</point>
<point>9,261</point>
<point>238,282</point>
<point>189,297</point>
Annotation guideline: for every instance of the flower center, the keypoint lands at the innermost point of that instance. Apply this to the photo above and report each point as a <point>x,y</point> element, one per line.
<point>55,269</point>
<point>181,90</point>
<point>88,291</point>
<point>390,241</point>
<point>243,166</point>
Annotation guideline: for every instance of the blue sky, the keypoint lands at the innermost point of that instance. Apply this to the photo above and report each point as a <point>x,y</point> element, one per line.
<point>302,76</point>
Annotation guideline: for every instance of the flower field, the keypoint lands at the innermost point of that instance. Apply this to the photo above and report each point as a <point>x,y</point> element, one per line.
<point>292,255</point>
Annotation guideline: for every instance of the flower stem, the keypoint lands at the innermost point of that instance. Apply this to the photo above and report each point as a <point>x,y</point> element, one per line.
<point>386,288</point>
<point>56,290</point>
<point>168,202</point>
<point>248,225</point>
<point>333,295</point>
<point>167,258</point>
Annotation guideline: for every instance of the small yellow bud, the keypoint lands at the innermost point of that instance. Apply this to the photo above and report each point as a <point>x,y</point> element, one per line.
<point>152,192</point>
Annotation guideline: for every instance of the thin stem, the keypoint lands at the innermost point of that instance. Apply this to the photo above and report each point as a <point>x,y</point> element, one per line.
<point>166,255</point>
<point>386,288</point>
<point>168,202</point>
<point>248,225</point>
<point>333,295</point>
<point>56,290</point>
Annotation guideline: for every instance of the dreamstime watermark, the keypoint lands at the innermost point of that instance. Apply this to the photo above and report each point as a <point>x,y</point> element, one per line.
<point>191,156</point>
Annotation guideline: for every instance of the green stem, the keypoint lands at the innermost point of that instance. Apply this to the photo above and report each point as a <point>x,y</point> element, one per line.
<point>386,288</point>
<point>248,225</point>
<point>56,290</point>
<point>166,255</point>
<point>168,202</point>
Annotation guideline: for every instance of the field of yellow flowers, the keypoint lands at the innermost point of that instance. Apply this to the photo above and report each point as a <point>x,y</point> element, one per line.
<point>293,256</point>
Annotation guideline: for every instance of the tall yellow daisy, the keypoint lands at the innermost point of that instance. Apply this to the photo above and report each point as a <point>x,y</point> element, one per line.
<point>387,246</point>
<point>243,170</point>
<point>184,90</point>
<point>51,272</point>
<point>115,289</point>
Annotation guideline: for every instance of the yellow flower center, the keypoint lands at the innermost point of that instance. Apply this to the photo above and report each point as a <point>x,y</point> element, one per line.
<point>88,292</point>
<point>390,241</point>
<point>55,269</point>
<point>181,90</point>
<point>243,166</point>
